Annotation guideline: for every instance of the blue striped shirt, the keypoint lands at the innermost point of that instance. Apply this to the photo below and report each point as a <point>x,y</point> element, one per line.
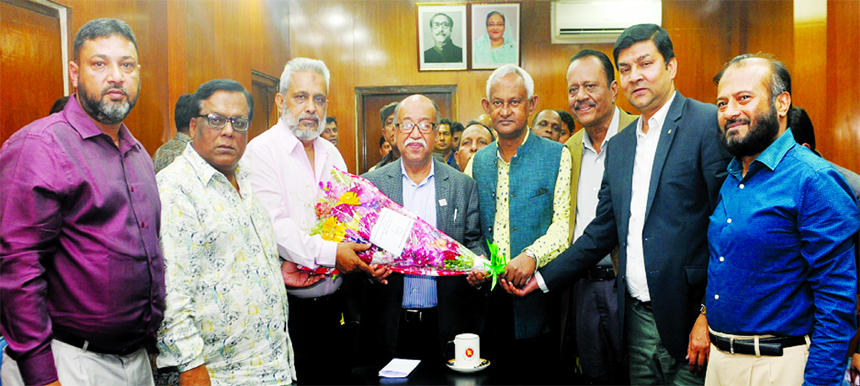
<point>420,199</point>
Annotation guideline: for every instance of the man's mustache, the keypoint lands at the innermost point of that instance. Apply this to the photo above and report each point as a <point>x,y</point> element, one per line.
<point>114,87</point>
<point>732,121</point>
<point>578,105</point>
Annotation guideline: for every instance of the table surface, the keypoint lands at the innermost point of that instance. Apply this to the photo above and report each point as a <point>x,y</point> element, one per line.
<point>439,374</point>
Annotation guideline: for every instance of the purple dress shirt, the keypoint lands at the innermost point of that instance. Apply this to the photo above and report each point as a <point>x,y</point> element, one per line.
<point>79,251</point>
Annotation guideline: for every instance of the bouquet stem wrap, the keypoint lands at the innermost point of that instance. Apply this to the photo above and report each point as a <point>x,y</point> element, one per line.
<point>352,209</point>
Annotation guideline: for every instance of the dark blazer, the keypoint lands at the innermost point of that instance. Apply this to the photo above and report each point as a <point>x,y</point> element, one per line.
<point>689,168</point>
<point>450,54</point>
<point>461,307</point>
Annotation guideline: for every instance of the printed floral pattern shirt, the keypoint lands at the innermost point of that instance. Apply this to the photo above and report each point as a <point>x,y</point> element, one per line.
<point>226,300</point>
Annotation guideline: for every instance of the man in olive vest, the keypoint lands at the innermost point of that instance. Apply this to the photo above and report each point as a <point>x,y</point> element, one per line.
<point>524,200</point>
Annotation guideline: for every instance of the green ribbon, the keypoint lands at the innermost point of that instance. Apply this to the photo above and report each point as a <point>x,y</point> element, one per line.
<point>497,263</point>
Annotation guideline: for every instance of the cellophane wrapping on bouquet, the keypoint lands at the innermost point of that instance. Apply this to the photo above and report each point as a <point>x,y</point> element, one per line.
<point>351,207</point>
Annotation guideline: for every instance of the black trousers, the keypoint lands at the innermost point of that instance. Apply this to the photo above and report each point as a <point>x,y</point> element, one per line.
<point>321,351</point>
<point>530,361</point>
<point>418,335</point>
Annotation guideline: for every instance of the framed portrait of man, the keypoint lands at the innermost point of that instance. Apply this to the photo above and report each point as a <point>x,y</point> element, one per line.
<point>442,41</point>
<point>495,35</point>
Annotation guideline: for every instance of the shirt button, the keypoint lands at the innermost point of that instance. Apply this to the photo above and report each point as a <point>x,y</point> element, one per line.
<point>716,296</point>
<point>132,189</point>
<point>143,225</point>
<point>722,258</point>
<point>729,221</point>
<point>414,291</point>
<point>742,186</point>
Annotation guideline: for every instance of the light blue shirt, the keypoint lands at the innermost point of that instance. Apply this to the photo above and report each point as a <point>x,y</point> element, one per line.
<point>420,199</point>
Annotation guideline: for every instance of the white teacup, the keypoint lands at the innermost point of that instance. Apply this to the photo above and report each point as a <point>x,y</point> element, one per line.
<point>467,350</point>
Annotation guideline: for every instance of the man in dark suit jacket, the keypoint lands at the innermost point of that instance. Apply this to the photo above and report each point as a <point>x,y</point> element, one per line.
<point>661,185</point>
<point>412,316</point>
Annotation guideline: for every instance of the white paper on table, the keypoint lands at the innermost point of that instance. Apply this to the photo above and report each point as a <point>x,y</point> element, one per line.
<point>399,368</point>
<point>391,231</point>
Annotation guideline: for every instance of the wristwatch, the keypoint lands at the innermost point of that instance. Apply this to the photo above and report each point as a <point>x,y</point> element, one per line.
<point>702,310</point>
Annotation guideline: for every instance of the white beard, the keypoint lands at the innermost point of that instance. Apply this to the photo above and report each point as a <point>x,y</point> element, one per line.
<point>303,135</point>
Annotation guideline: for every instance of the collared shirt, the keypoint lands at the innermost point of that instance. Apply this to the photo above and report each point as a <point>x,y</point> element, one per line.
<point>643,163</point>
<point>782,255</point>
<point>283,180</point>
<point>420,199</point>
<point>79,246</point>
<point>551,244</point>
<point>170,150</point>
<point>226,300</point>
<point>590,178</point>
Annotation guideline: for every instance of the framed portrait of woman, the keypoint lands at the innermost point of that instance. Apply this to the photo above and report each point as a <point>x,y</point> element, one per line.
<point>495,35</point>
<point>442,37</point>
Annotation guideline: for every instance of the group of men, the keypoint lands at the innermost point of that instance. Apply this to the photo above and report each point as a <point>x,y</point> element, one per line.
<point>703,236</point>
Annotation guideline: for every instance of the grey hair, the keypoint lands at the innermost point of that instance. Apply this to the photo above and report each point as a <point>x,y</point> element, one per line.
<point>397,110</point>
<point>303,64</point>
<point>512,69</point>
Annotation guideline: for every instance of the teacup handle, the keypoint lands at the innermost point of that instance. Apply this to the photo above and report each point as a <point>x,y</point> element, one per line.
<point>453,354</point>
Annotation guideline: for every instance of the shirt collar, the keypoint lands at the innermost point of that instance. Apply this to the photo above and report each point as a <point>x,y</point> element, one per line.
<point>406,176</point>
<point>659,117</point>
<point>610,132</point>
<point>770,157</point>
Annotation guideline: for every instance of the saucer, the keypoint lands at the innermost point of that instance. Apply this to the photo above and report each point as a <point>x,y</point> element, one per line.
<point>483,365</point>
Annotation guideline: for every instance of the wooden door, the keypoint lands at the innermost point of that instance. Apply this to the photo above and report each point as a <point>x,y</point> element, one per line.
<point>263,89</point>
<point>31,64</point>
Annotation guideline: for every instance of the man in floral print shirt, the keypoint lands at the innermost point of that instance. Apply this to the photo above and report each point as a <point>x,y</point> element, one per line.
<point>226,316</point>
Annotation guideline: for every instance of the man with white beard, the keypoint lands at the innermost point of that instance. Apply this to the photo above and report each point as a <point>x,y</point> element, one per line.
<point>287,164</point>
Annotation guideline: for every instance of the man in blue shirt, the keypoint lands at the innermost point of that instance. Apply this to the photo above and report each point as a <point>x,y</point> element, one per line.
<point>781,278</point>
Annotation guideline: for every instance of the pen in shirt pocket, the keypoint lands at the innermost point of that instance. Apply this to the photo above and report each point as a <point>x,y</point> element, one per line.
<point>455,214</point>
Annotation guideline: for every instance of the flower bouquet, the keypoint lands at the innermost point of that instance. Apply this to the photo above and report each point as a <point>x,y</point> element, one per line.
<point>352,209</point>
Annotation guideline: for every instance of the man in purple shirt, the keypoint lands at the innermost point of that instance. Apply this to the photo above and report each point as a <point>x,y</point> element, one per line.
<point>81,272</point>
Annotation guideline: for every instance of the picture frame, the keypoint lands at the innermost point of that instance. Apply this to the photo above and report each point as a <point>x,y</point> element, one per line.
<point>441,48</point>
<point>486,34</point>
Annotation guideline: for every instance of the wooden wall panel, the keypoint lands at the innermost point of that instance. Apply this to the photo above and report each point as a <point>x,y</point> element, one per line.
<point>177,62</point>
<point>30,50</point>
<point>810,66</point>
<point>839,138</point>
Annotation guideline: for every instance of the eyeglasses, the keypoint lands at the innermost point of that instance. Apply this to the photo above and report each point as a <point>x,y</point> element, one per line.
<point>218,121</point>
<point>424,127</point>
<point>440,25</point>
